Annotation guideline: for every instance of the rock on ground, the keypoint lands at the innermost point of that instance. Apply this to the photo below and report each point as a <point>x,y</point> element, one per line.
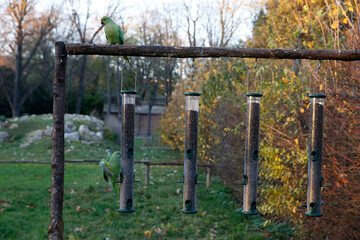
<point>69,127</point>
<point>84,130</point>
<point>13,126</point>
<point>4,136</point>
<point>75,136</point>
<point>34,136</point>
<point>48,131</point>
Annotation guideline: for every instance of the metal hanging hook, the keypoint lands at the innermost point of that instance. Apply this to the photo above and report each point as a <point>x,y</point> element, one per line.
<point>248,74</point>
<point>317,67</point>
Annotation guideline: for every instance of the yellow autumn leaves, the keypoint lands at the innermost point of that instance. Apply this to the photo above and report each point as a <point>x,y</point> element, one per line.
<point>341,12</point>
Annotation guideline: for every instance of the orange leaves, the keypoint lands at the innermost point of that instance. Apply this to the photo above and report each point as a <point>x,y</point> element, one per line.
<point>311,44</point>
<point>334,25</point>
<point>148,234</point>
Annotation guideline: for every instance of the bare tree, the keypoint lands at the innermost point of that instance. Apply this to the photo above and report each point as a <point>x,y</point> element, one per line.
<point>158,27</point>
<point>192,20</point>
<point>222,20</point>
<point>28,31</point>
<point>80,23</point>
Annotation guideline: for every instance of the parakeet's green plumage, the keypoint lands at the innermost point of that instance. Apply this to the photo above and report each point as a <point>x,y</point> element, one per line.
<point>111,167</point>
<point>114,34</point>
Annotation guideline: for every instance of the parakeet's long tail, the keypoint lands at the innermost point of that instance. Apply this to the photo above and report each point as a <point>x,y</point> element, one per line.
<point>127,59</point>
<point>115,191</point>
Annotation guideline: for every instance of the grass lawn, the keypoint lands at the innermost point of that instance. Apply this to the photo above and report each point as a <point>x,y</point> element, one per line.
<point>91,210</point>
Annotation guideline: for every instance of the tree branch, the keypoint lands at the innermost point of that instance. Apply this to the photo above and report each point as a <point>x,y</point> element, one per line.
<point>213,52</point>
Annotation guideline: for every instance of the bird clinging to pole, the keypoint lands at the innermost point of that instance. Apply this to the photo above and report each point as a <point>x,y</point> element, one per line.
<point>111,167</point>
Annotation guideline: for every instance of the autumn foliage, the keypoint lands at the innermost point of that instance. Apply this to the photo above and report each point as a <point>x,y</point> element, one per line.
<point>284,127</point>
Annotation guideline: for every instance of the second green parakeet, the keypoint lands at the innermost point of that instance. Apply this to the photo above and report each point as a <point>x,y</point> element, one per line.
<point>114,34</point>
<point>111,167</point>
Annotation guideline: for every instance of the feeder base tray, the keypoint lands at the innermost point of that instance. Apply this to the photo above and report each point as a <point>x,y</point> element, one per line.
<point>249,213</point>
<point>126,210</point>
<point>189,211</point>
<point>313,214</point>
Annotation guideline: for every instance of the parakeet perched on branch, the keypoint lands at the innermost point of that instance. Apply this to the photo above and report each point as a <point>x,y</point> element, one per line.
<point>111,167</point>
<point>114,34</point>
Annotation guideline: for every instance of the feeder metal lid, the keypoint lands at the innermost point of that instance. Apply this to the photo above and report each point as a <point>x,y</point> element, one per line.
<point>317,96</point>
<point>192,94</point>
<point>128,91</point>
<point>254,95</point>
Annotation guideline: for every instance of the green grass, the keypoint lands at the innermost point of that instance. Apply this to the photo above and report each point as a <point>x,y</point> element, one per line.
<point>25,198</point>
<point>157,207</point>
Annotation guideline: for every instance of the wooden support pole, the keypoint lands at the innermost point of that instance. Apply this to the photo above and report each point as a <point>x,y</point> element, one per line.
<point>56,227</point>
<point>208,177</point>
<point>211,52</point>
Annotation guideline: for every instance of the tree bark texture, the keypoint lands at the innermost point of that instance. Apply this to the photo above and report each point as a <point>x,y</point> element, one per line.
<point>81,87</point>
<point>213,52</point>
<point>56,227</point>
<point>108,89</point>
<point>152,99</point>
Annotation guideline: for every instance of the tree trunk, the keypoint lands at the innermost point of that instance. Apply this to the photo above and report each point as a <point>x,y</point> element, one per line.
<point>56,227</point>
<point>108,92</point>
<point>15,106</point>
<point>81,89</point>
<point>151,104</point>
<point>118,96</point>
<point>167,81</point>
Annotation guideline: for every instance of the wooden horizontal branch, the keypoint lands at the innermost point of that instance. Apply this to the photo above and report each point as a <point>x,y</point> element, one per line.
<point>210,52</point>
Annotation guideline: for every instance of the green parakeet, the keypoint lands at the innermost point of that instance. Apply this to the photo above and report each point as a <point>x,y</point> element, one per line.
<point>111,167</point>
<point>114,34</point>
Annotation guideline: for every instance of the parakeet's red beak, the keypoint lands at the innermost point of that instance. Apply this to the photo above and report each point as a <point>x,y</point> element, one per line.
<point>102,23</point>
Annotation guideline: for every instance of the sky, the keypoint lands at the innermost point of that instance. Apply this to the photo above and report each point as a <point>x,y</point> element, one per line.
<point>134,8</point>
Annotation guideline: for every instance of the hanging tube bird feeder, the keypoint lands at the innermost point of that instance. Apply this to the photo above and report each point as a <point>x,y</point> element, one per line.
<point>127,153</point>
<point>190,155</point>
<point>251,153</point>
<point>315,180</point>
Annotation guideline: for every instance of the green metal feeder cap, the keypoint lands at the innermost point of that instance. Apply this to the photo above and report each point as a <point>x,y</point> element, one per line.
<point>317,96</point>
<point>128,92</point>
<point>192,94</point>
<point>254,95</point>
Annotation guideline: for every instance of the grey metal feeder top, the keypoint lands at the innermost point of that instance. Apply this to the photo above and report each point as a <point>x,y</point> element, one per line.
<point>254,95</point>
<point>317,96</point>
<point>192,94</point>
<point>128,91</point>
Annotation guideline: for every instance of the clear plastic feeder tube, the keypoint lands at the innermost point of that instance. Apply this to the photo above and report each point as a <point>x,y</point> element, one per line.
<point>314,183</point>
<point>190,155</point>
<point>127,153</point>
<point>251,153</point>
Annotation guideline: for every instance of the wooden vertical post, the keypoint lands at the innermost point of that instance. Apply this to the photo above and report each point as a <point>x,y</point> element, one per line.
<point>147,176</point>
<point>208,177</point>
<point>56,227</point>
